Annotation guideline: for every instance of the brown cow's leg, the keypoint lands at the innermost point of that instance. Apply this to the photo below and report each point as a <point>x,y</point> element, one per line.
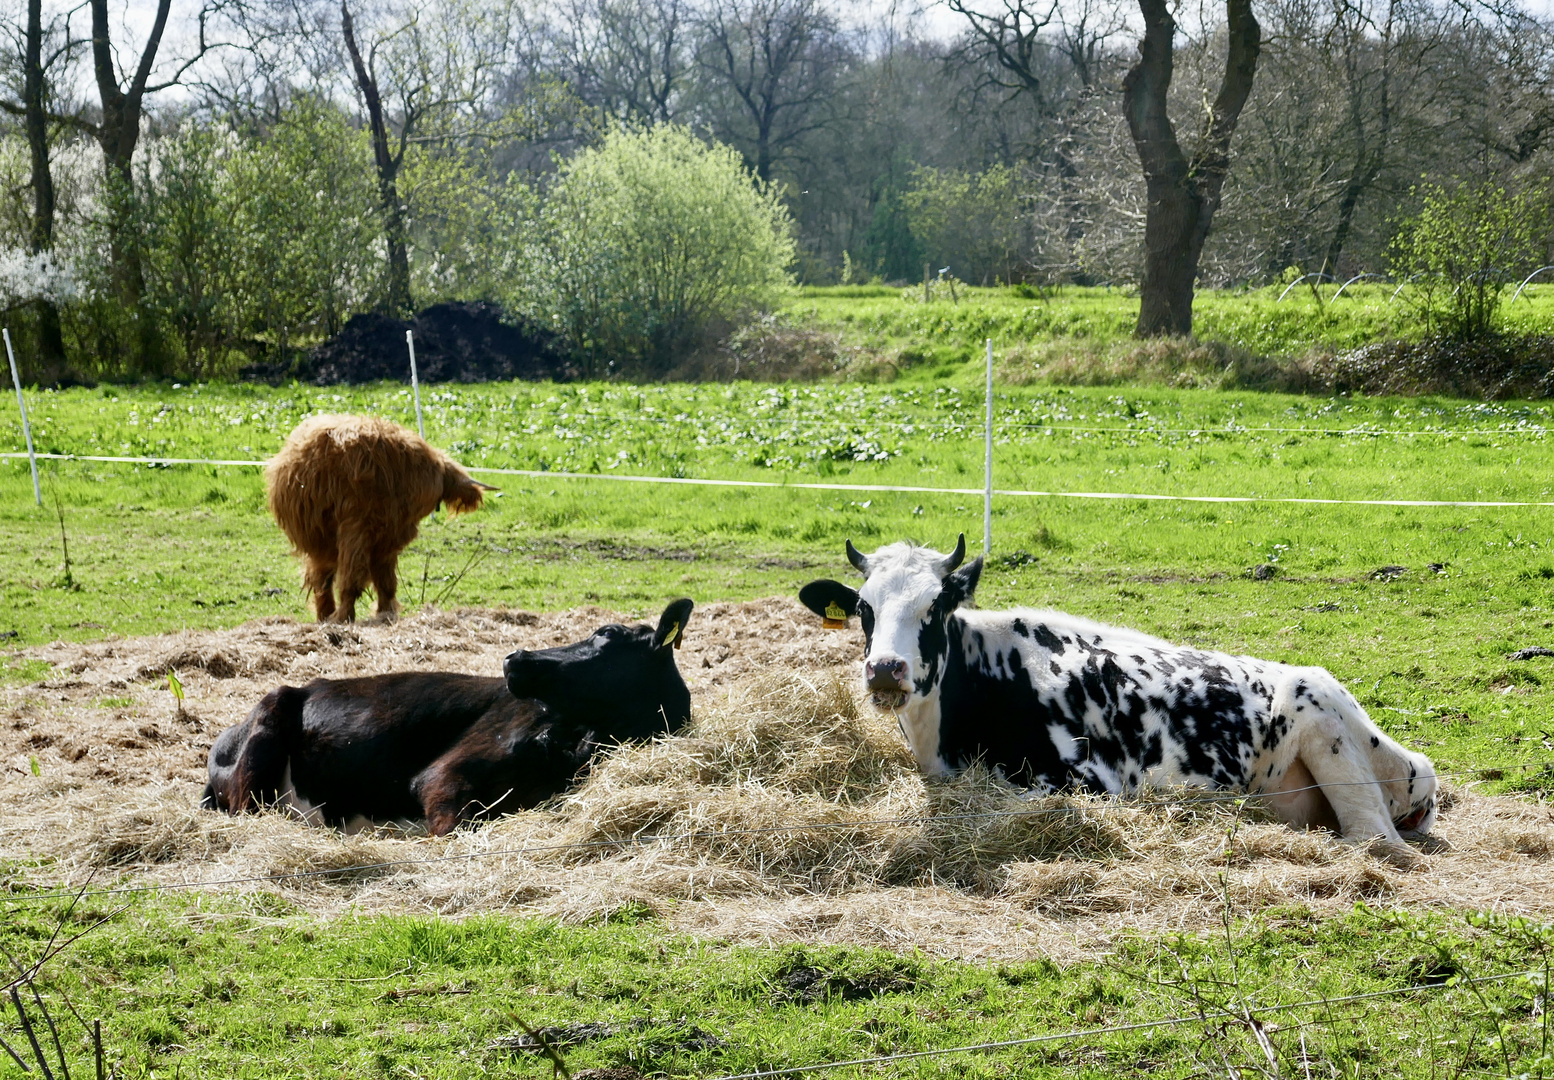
<point>319,579</point>
<point>351,575</point>
<point>385,581</point>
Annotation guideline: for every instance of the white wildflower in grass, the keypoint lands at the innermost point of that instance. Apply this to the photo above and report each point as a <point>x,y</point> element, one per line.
<point>25,278</point>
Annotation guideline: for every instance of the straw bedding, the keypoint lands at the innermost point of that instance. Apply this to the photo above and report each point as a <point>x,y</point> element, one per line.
<point>757,824</point>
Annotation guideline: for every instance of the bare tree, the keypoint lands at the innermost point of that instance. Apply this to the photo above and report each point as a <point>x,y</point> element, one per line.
<point>388,161</point>
<point>1183,192</point>
<point>780,60</point>
<point>629,57</point>
<point>439,66</point>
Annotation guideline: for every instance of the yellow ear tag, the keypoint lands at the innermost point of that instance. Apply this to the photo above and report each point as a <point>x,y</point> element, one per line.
<point>835,618</point>
<point>673,637</point>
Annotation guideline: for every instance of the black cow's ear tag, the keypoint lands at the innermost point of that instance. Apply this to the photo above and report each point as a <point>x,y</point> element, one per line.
<point>834,618</point>
<point>673,637</point>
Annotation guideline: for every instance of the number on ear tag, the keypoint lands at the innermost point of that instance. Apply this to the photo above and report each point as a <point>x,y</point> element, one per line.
<point>835,618</point>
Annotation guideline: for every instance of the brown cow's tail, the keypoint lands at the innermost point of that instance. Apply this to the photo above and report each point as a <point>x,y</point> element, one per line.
<point>460,494</point>
<point>273,726</point>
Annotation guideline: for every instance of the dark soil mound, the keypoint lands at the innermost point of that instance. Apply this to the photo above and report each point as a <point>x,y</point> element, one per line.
<point>454,342</point>
<point>1504,366</point>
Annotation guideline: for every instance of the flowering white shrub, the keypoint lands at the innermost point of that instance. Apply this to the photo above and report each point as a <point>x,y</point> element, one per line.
<point>25,278</point>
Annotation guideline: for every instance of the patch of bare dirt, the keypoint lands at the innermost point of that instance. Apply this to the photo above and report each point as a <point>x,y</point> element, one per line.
<point>787,811</point>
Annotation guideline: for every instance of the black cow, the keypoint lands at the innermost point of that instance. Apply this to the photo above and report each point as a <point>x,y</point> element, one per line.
<point>451,747</point>
<point>1055,702</point>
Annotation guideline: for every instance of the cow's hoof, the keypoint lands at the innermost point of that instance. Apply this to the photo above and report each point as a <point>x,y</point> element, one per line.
<point>385,618</point>
<point>1397,854</point>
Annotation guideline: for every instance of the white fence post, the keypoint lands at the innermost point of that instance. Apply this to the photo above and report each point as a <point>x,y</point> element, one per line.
<point>16,380</point>
<point>415,383</point>
<point>987,499</point>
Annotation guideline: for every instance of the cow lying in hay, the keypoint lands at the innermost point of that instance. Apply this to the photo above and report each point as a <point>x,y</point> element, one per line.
<point>1059,702</point>
<point>452,747</point>
<point>349,493</point>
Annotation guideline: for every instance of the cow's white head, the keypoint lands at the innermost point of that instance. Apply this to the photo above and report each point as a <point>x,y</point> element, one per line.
<point>908,594</point>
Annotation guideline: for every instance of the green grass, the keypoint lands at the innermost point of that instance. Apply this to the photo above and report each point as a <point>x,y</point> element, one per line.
<point>943,334</point>
<point>157,549</point>
<point>243,987</point>
<point>249,987</point>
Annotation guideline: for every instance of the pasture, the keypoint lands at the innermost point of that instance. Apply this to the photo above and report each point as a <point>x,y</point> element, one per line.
<point>804,896</point>
<point>938,336</point>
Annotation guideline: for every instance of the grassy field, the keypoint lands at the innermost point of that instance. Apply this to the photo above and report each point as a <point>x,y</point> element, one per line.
<point>1416,608</point>
<point>1425,647</point>
<point>251,990</point>
<point>942,334</point>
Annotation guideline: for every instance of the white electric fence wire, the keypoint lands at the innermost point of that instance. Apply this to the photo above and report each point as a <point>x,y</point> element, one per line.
<point>1119,803</point>
<point>21,402</point>
<point>546,474</point>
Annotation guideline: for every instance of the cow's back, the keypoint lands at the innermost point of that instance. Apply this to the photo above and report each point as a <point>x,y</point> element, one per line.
<point>1063,702</point>
<point>363,740</point>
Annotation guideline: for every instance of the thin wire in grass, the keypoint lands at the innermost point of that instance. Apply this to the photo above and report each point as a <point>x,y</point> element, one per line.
<point>562,474</point>
<point>712,834</point>
<point>1147,1025</point>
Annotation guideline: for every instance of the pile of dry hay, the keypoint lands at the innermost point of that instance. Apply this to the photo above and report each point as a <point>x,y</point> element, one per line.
<point>786,811</point>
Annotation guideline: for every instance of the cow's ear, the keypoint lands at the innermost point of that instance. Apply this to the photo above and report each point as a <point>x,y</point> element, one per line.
<point>961,586</point>
<point>671,624</point>
<point>831,600</point>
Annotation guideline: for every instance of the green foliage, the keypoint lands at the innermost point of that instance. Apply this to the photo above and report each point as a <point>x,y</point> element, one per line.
<point>308,236</point>
<point>888,244</point>
<point>1463,248</point>
<point>247,244</point>
<point>650,240</point>
<point>969,220</point>
<point>192,254</point>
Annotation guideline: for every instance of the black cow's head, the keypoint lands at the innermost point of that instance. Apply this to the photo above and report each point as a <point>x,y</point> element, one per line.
<point>620,681</point>
<point>908,593</point>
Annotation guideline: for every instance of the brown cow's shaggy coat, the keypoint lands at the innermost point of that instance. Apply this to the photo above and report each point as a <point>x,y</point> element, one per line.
<point>349,492</point>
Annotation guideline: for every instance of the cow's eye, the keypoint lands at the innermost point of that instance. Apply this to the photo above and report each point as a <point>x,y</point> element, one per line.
<point>866,616</point>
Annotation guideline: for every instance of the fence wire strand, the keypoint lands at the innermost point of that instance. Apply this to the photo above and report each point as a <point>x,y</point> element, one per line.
<point>1104,496</point>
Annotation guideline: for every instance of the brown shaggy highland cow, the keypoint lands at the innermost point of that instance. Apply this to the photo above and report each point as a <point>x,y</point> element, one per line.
<point>349,492</point>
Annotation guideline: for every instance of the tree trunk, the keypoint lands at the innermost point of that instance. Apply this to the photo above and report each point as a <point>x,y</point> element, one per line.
<point>1182,193</point>
<point>398,294</point>
<point>51,343</point>
<point>118,136</point>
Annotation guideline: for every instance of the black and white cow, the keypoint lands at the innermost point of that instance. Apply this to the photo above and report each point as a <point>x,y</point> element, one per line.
<point>450,747</point>
<point>1057,702</point>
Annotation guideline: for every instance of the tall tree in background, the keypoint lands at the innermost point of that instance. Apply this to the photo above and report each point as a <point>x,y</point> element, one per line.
<point>428,77</point>
<point>387,162</point>
<point>629,57</point>
<point>1183,192</point>
<point>118,133</point>
<point>780,60</point>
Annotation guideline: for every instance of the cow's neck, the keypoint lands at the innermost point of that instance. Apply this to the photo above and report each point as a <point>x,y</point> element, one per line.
<point>922,717</point>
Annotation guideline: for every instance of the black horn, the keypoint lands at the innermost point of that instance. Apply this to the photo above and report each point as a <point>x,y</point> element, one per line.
<point>954,558</point>
<point>858,559</point>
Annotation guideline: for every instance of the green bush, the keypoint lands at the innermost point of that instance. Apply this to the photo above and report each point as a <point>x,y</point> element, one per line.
<point>971,221</point>
<point>304,208</point>
<point>648,242</point>
<point>1462,249</point>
